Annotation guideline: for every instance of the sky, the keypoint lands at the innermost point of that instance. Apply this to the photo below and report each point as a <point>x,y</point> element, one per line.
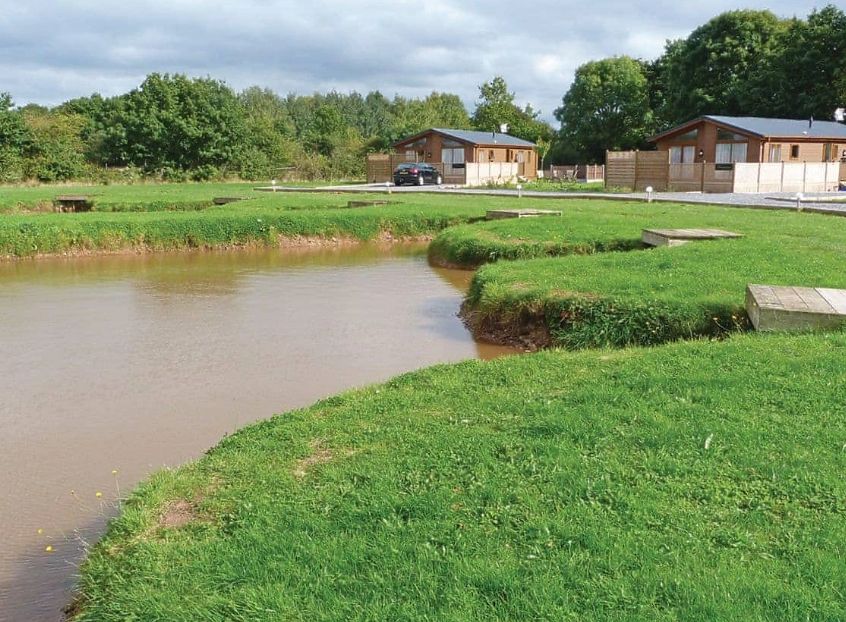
<point>54,50</point>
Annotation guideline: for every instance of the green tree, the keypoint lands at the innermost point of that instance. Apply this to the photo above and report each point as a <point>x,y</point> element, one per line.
<point>804,73</point>
<point>709,72</point>
<point>496,107</point>
<point>607,107</point>
<point>15,138</point>
<point>56,151</point>
<point>176,123</point>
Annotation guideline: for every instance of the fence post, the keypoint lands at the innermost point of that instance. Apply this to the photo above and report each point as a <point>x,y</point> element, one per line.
<point>781,185</point>
<point>759,178</point>
<point>635,173</point>
<point>805,177</point>
<point>605,182</point>
<point>702,177</point>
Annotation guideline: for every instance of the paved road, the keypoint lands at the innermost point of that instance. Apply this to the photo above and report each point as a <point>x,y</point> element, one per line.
<point>820,203</point>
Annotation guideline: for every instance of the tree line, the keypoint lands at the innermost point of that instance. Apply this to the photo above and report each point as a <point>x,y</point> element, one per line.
<point>173,127</point>
<point>741,63</point>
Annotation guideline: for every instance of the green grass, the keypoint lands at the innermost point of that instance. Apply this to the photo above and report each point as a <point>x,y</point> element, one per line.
<point>134,197</point>
<point>696,481</point>
<point>264,219</point>
<point>641,297</point>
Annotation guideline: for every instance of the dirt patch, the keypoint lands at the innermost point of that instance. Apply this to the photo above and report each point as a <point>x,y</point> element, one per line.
<point>177,513</point>
<point>528,331</point>
<point>319,455</point>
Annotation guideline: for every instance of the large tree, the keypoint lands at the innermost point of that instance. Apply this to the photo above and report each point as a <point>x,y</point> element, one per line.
<point>804,73</point>
<point>173,122</point>
<point>496,107</point>
<point>709,72</point>
<point>607,107</point>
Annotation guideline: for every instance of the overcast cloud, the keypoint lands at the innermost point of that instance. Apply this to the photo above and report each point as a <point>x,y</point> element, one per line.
<point>51,51</point>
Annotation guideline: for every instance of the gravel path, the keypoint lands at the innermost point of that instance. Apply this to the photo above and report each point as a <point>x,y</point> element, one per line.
<point>820,203</point>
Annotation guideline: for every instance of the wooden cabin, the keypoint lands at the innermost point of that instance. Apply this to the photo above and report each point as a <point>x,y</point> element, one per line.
<point>454,148</point>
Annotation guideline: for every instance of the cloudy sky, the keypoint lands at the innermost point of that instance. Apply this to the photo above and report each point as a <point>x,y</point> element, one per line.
<point>53,50</point>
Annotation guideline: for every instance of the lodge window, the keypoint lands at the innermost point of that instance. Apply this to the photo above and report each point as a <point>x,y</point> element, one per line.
<point>452,156</point>
<point>794,152</point>
<point>690,136</point>
<point>775,153</point>
<point>683,155</point>
<point>829,153</point>
<point>731,152</point>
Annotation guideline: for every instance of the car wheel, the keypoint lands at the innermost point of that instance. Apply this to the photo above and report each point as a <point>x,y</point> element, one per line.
<point>439,180</point>
<point>420,180</point>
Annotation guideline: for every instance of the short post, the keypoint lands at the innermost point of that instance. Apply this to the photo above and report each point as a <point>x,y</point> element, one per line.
<point>519,191</point>
<point>649,191</point>
<point>388,186</point>
<point>273,183</point>
<point>799,197</point>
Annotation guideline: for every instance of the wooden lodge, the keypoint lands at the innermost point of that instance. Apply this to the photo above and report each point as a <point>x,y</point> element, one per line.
<point>464,156</point>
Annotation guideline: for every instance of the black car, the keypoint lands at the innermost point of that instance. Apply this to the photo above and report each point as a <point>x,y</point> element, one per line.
<point>418,173</point>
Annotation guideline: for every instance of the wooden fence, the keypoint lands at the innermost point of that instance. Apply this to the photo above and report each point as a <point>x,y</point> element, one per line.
<point>639,170</point>
<point>380,168</point>
<point>576,172</point>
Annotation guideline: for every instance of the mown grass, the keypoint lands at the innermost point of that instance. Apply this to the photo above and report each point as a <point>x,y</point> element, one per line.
<point>642,297</point>
<point>696,481</point>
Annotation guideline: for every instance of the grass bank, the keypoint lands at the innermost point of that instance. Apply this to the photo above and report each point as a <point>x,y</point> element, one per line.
<point>699,480</point>
<point>643,297</point>
<point>152,223</point>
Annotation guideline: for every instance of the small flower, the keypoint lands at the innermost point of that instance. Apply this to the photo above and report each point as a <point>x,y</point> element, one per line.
<point>49,548</point>
<point>39,531</point>
<point>114,471</point>
<point>98,494</point>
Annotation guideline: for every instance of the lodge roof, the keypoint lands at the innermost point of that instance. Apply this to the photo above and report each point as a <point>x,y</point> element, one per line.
<point>473,137</point>
<point>768,128</point>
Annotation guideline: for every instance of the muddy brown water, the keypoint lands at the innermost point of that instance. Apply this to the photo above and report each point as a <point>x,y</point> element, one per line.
<point>134,363</point>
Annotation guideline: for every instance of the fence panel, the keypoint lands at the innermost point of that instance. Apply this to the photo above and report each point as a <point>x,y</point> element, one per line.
<point>479,174</point>
<point>620,169</point>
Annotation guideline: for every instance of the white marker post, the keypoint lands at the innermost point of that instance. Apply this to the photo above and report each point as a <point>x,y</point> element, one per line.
<point>799,197</point>
<point>519,191</point>
<point>649,191</point>
<point>388,186</point>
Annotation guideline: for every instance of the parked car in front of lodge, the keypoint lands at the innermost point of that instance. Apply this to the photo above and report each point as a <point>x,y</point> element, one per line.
<point>418,173</point>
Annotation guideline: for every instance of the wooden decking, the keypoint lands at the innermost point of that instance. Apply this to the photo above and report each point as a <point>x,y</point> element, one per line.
<point>795,308</point>
<point>676,237</point>
<point>498,214</point>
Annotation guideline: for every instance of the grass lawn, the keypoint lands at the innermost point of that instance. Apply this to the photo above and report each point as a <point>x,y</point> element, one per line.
<point>153,223</point>
<point>695,481</point>
<point>640,297</point>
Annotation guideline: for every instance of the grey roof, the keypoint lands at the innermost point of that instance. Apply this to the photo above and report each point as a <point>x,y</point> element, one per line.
<point>477,138</point>
<point>784,128</point>
<point>770,128</point>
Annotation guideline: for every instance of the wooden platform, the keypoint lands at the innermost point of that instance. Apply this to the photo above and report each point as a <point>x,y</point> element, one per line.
<point>795,308</point>
<point>73,203</point>
<point>498,214</point>
<point>225,200</point>
<point>676,237</point>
